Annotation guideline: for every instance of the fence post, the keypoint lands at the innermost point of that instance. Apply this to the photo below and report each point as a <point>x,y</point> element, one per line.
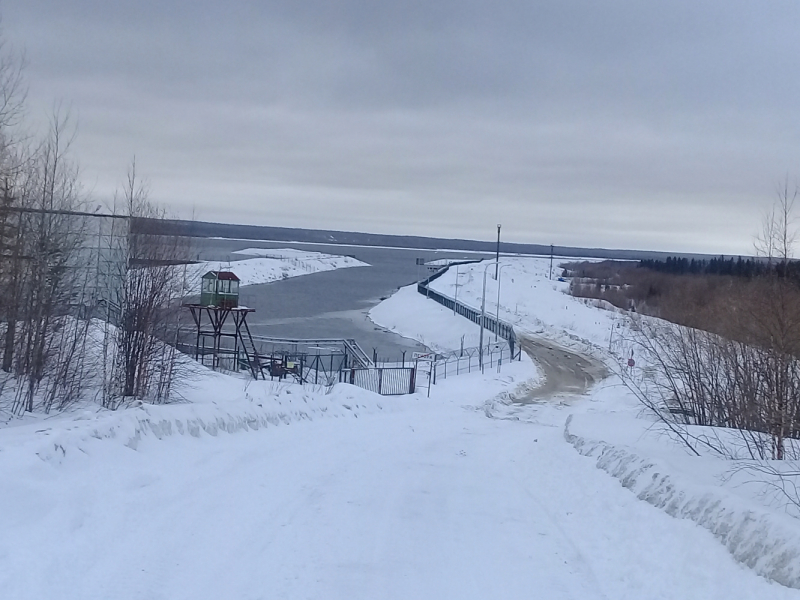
<point>380,380</point>
<point>412,386</point>
<point>430,376</point>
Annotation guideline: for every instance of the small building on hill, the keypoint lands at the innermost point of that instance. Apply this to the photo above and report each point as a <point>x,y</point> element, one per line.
<point>220,289</point>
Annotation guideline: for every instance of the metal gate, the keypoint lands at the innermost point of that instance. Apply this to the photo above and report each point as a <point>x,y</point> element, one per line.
<point>387,381</point>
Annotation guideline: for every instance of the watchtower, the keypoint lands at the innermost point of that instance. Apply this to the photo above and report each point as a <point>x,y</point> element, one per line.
<point>220,289</point>
<point>219,299</point>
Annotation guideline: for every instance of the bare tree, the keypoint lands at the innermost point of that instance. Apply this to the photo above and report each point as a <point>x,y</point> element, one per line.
<point>49,236</point>
<point>55,281</point>
<point>777,237</point>
<point>12,88</point>
<point>14,169</point>
<point>153,283</point>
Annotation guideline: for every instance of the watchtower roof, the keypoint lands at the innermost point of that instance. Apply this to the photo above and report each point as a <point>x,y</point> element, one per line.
<point>221,275</point>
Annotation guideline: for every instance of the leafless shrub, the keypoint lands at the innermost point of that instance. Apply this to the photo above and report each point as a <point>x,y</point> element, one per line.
<point>702,379</point>
<point>740,375</point>
<point>41,242</point>
<point>85,300</point>
<point>153,281</point>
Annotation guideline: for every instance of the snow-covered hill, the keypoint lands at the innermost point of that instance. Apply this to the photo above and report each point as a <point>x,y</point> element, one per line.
<point>273,490</point>
<point>273,265</point>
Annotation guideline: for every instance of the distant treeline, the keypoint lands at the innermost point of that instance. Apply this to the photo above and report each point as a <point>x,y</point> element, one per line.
<point>735,267</point>
<point>201,229</point>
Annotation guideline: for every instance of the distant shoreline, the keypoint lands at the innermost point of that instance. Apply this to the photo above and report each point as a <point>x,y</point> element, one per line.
<point>259,233</point>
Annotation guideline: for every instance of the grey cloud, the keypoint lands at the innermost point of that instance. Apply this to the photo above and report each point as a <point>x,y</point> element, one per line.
<point>617,123</point>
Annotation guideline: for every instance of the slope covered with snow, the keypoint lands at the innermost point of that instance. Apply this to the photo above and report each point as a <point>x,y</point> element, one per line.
<point>351,496</point>
<point>274,264</point>
<point>742,509</point>
<point>275,490</point>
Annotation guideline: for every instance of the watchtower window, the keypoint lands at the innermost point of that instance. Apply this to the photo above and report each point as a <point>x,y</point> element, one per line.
<point>220,289</point>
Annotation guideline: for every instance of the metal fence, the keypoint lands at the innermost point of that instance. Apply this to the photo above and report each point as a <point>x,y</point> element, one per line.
<point>498,326</point>
<point>471,360</point>
<point>387,381</point>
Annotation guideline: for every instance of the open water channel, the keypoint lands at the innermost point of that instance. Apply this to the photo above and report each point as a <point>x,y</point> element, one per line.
<point>331,304</point>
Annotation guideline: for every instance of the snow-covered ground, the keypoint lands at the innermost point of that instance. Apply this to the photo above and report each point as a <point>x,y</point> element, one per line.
<point>274,264</point>
<point>740,507</point>
<point>266,490</point>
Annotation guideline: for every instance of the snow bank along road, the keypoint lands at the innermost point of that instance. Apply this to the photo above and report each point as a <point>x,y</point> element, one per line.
<point>431,500</point>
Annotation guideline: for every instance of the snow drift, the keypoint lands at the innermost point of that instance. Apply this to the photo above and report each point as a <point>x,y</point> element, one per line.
<point>264,404</point>
<point>764,541</point>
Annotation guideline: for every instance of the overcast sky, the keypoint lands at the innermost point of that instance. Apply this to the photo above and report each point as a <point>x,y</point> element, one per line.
<point>651,125</point>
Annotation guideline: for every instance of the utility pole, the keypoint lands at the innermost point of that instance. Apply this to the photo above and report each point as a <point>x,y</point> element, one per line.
<point>497,312</point>
<point>455,299</point>
<point>497,255</point>
<point>551,261</point>
<point>483,316</point>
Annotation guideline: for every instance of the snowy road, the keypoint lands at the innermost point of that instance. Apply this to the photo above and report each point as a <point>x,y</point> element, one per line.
<point>432,501</point>
<point>565,372</point>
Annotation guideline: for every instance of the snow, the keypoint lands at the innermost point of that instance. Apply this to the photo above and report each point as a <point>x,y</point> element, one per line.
<point>258,489</point>
<point>338,245</point>
<point>274,264</point>
<point>531,301</point>
<point>420,499</point>
<point>736,506</point>
<point>411,315</point>
<point>764,541</point>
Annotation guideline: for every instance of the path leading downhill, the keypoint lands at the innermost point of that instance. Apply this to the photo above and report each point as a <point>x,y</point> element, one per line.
<point>430,501</point>
<point>566,373</point>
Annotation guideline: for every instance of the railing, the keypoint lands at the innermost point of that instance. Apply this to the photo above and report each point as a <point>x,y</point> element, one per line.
<point>308,361</point>
<point>498,326</point>
<point>354,352</point>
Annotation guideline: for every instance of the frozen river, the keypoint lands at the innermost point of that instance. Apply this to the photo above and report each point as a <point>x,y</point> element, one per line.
<point>331,304</point>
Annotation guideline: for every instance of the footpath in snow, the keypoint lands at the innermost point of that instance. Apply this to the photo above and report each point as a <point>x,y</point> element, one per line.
<point>283,491</point>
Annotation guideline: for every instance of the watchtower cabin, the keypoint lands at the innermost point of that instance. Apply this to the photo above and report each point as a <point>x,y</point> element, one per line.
<point>220,289</point>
